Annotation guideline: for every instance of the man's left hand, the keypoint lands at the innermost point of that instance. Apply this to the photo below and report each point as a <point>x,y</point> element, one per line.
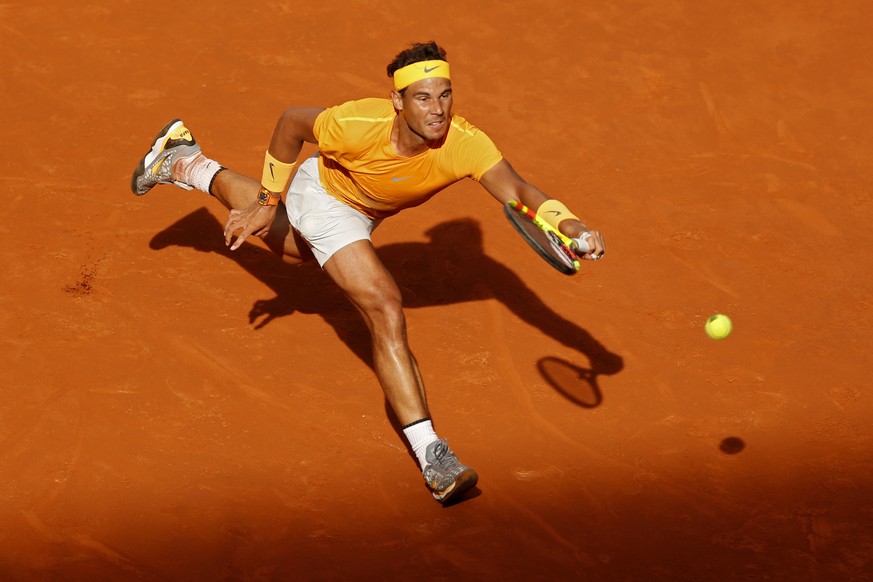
<point>255,220</point>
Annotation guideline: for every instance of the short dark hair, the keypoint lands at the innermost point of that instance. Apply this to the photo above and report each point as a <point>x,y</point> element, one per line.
<point>417,52</point>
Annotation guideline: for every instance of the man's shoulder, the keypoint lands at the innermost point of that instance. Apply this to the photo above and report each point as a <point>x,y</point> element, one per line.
<point>352,121</point>
<point>464,129</point>
<point>470,148</point>
<point>369,108</point>
<point>464,134</point>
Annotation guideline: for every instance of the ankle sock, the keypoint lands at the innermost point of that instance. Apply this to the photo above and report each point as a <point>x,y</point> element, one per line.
<point>420,434</point>
<point>197,171</point>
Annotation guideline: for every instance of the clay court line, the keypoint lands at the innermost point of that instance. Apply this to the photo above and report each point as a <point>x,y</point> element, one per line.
<point>30,422</point>
<point>57,536</point>
<point>721,125</point>
<point>808,215</point>
<point>513,380</point>
<point>12,30</point>
<point>224,370</point>
<point>706,273</point>
<point>69,467</point>
<point>548,528</point>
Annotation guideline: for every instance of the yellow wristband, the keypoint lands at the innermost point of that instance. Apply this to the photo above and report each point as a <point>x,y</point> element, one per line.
<point>276,174</point>
<point>554,212</point>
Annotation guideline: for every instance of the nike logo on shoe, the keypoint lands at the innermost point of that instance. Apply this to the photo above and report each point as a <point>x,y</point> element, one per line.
<point>156,167</point>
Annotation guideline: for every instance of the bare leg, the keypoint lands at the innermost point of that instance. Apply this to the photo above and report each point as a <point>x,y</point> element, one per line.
<point>236,191</point>
<point>371,288</point>
<point>369,285</point>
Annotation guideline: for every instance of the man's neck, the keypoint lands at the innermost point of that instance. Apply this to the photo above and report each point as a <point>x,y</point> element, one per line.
<point>406,142</point>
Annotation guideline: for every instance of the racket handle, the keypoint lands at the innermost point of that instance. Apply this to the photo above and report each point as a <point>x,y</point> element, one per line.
<point>580,244</point>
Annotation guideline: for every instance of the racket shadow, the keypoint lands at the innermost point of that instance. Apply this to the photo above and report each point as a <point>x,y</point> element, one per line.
<point>454,251</point>
<point>575,383</point>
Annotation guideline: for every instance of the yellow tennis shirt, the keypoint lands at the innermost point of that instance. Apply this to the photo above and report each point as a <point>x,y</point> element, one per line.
<point>358,164</point>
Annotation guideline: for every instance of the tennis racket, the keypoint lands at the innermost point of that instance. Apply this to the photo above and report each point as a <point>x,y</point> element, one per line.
<point>549,243</point>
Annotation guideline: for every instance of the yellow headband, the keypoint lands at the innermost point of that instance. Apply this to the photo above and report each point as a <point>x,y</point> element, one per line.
<point>409,74</point>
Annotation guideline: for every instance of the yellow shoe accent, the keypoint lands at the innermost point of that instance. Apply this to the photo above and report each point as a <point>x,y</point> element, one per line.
<point>156,167</point>
<point>180,133</point>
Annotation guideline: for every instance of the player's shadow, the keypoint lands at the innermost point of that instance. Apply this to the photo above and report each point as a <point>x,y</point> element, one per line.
<point>450,268</point>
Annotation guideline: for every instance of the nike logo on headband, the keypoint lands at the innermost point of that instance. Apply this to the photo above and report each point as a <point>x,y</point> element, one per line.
<point>426,70</point>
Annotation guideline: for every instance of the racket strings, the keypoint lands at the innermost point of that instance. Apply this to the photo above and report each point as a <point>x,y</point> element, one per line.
<point>561,249</point>
<point>548,244</point>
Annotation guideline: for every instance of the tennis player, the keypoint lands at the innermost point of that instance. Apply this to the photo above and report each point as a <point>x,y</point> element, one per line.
<point>375,158</point>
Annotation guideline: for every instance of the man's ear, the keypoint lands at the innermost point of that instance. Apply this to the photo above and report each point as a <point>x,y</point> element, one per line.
<point>397,100</point>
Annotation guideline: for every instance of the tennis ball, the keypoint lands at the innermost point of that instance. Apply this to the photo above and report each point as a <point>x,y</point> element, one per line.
<point>718,326</point>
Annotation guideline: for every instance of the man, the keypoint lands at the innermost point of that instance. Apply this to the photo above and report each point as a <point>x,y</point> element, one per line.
<point>376,157</point>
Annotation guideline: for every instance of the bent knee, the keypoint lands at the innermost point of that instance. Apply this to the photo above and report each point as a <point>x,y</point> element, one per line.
<point>384,307</point>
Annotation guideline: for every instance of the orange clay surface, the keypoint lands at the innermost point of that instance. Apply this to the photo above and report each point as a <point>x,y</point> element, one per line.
<point>172,411</point>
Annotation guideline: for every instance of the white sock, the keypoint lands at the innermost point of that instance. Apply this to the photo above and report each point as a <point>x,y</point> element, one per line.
<point>197,171</point>
<point>420,434</point>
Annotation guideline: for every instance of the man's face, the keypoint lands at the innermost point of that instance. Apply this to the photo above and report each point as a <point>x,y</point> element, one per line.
<point>426,107</point>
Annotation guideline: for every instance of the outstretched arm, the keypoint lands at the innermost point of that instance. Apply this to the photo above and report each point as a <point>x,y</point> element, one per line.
<point>295,126</point>
<point>504,183</point>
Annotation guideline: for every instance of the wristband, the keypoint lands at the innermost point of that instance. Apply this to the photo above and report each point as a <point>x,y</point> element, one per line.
<point>276,174</point>
<point>554,212</point>
<point>267,198</point>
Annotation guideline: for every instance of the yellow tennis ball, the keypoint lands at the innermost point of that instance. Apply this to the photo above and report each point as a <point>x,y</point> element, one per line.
<point>718,326</point>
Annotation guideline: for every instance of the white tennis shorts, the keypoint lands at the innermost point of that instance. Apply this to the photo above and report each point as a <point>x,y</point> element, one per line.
<point>326,223</point>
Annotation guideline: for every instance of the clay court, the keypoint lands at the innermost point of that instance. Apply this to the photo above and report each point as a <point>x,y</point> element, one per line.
<point>174,411</point>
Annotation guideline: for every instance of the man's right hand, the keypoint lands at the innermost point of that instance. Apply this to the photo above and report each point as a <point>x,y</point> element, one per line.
<point>589,245</point>
<point>255,219</point>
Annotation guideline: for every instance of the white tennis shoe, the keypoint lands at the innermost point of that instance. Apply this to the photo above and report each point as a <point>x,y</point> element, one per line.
<point>172,143</point>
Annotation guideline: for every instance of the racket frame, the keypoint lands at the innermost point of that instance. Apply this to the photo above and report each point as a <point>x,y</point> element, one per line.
<point>569,262</point>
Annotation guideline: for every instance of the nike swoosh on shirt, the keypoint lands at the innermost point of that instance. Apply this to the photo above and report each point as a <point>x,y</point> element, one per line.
<point>396,179</point>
